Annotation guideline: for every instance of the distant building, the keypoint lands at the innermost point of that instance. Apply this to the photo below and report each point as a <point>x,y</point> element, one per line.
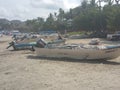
<point>15,32</point>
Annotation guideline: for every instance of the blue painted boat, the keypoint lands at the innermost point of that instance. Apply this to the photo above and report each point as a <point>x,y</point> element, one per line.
<point>31,45</point>
<point>22,46</point>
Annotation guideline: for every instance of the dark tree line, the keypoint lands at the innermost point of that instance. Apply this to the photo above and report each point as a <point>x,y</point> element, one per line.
<point>90,16</point>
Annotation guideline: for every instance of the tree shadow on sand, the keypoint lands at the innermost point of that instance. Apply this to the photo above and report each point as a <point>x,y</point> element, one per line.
<point>107,62</point>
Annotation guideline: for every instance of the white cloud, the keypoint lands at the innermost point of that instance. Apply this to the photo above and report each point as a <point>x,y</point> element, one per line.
<point>29,9</point>
<point>45,4</point>
<point>71,3</point>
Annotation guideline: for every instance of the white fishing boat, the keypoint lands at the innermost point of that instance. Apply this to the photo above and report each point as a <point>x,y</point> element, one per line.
<point>79,51</point>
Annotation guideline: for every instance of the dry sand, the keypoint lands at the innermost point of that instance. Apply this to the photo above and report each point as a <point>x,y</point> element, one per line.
<point>22,70</point>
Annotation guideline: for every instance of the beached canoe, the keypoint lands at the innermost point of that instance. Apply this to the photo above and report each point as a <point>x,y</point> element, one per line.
<point>79,51</point>
<point>30,45</point>
<point>22,46</point>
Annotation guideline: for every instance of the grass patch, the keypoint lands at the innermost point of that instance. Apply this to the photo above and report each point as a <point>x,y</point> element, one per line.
<point>75,33</point>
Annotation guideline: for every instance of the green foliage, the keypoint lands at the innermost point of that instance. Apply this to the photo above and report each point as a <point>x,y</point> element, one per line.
<point>75,33</point>
<point>35,24</point>
<point>112,14</point>
<point>90,17</point>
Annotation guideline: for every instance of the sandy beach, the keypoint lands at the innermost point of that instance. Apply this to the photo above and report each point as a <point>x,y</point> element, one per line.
<point>23,70</point>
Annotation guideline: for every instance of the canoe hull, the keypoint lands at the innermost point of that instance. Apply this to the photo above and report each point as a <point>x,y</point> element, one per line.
<point>79,53</point>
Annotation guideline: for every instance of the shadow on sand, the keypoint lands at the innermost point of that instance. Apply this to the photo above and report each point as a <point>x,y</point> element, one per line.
<point>107,62</point>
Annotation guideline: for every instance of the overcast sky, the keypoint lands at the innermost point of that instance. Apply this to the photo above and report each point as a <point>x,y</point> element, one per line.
<point>29,9</point>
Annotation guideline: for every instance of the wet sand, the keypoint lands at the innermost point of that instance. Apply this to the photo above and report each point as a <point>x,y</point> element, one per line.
<point>23,70</point>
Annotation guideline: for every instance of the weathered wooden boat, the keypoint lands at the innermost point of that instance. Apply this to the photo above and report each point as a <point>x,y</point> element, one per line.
<point>22,46</point>
<point>30,45</point>
<point>79,51</point>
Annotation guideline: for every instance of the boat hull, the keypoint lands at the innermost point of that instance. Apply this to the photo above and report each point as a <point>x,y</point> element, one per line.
<point>79,53</point>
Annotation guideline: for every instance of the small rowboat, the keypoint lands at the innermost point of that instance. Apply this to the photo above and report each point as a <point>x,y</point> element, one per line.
<point>22,46</point>
<point>79,51</point>
<point>30,45</point>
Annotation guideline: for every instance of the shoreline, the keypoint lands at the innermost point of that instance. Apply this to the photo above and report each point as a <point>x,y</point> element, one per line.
<point>22,70</point>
